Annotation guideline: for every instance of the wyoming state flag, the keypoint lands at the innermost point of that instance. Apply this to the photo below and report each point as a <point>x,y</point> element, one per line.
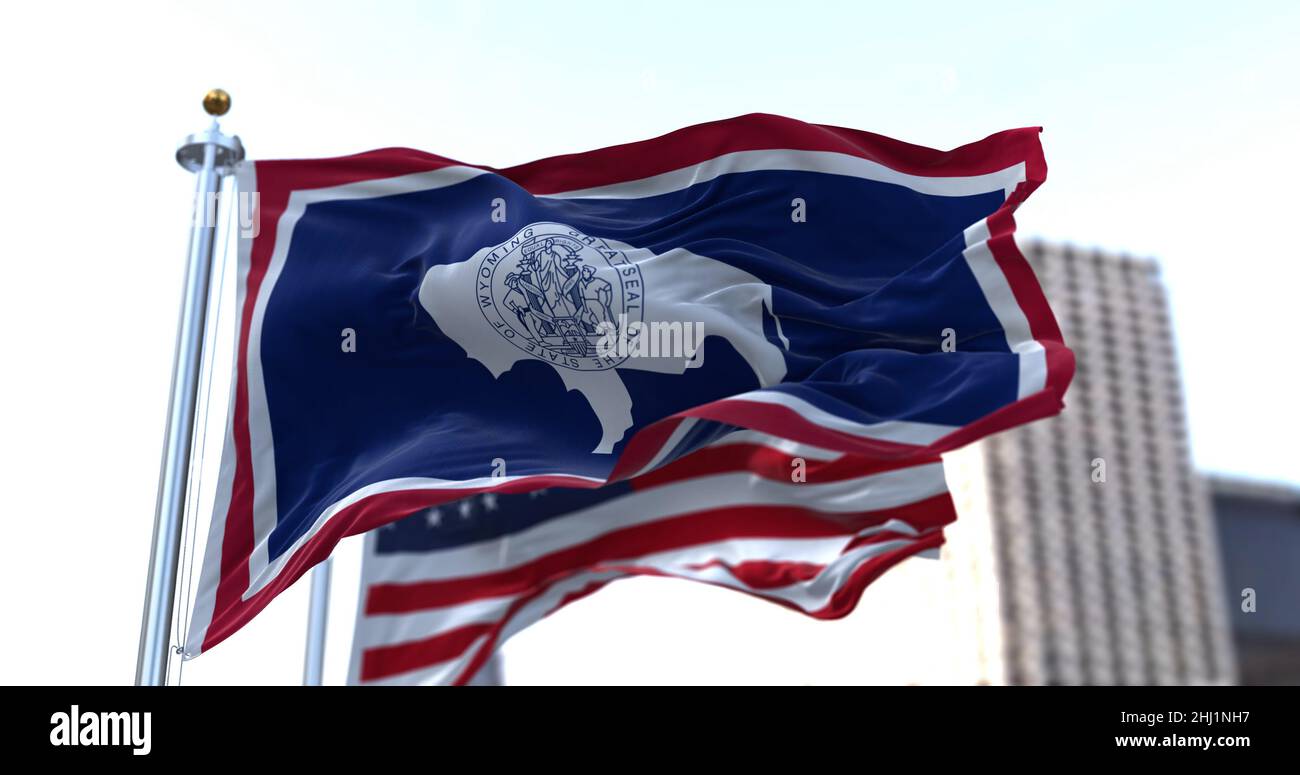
<point>414,330</point>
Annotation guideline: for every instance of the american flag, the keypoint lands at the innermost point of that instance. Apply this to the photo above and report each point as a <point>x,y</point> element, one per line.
<point>801,526</point>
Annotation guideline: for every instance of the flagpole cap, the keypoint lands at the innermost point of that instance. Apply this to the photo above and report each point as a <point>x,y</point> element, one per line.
<point>217,102</point>
<point>227,150</point>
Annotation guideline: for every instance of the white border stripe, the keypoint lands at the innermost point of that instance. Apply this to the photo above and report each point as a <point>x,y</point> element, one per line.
<point>1002,300</point>
<point>901,431</point>
<point>784,160</point>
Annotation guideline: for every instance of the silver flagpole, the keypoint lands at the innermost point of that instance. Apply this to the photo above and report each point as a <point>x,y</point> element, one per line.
<point>313,666</point>
<point>212,156</point>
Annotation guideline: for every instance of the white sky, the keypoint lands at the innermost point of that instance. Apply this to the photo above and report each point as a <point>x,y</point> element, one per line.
<point>1170,132</point>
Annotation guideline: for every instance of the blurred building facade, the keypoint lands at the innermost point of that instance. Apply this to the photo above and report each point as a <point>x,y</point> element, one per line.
<point>1259,530</point>
<point>1086,551</point>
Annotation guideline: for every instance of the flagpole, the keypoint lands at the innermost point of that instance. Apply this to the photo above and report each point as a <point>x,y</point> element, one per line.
<point>211,156</point>
<point>313,666</point>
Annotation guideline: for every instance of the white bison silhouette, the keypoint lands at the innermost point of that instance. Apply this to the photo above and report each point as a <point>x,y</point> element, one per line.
<point>677,286</point>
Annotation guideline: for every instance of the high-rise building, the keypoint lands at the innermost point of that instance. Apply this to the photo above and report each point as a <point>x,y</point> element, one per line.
<point>1085,552</point>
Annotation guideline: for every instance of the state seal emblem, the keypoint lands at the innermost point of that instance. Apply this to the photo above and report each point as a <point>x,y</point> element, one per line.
<point>556,293</point>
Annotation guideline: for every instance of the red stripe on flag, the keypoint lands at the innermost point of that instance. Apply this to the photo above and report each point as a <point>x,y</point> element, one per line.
<point>383,661</point>
<point>767,574</point>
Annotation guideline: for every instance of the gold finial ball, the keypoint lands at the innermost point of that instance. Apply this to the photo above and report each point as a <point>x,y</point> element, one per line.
<point>216,102</point>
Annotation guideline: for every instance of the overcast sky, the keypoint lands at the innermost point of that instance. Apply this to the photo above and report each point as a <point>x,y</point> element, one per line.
<point>1169,133</point>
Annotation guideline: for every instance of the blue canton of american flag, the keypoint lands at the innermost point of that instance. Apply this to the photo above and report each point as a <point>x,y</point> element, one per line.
<point>849,292</point>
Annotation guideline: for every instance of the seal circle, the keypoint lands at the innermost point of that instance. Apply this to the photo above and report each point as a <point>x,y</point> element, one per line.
<point>560,295</point>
